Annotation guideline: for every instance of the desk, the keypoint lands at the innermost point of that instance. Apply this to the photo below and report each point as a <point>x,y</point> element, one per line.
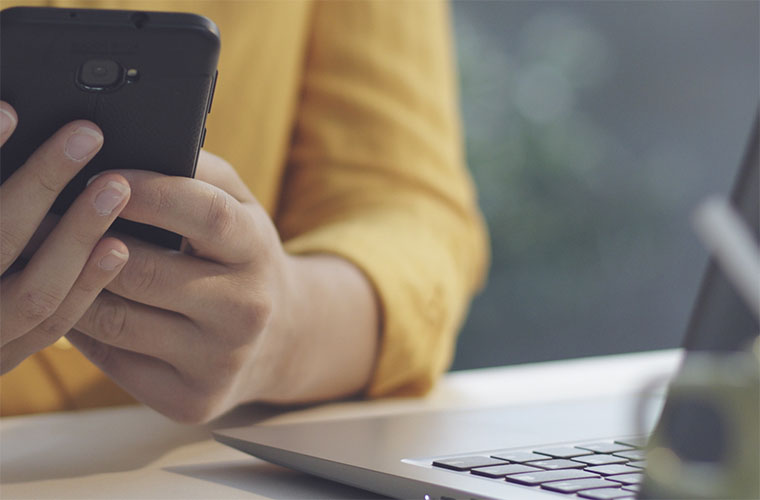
<point>132,452</point>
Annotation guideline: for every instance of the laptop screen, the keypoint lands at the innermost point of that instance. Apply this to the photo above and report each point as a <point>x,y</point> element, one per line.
<point>721,320</point>
<point>694,424</point>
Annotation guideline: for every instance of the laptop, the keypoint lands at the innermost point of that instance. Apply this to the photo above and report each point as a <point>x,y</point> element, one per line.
<point>568,449</point>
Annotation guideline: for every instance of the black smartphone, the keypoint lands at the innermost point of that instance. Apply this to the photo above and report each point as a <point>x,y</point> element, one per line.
<point>146,78</point>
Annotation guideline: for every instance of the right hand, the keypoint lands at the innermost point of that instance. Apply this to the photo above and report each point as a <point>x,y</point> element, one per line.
<point>74,262</point>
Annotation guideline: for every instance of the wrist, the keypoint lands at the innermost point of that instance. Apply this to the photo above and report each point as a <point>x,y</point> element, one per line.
<point>281,348</point>
<point>321,340</point>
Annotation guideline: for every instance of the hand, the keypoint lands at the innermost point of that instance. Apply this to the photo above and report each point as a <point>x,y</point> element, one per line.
<point>72,263</point>
<point>178,330</point>
<point>233,318</point>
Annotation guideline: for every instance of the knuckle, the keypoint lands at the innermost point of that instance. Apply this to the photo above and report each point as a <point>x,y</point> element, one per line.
<point>38,305</point>
<point>260,309</point>
<point>55,326</point>
<point>110,319</point>
<point>220,217</point>
<point>198,408</point>
<point>82,235</point>
<point>42,170</point>
<point>142,275</point>
<point>227,364</point>
<point>163,199</point>
<point>88,287</point>
<point>251,312</point>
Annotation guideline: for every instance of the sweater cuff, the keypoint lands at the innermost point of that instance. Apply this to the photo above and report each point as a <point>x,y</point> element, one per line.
<point>419,292</point>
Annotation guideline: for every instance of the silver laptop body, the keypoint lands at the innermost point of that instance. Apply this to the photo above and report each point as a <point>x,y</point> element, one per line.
<point>393,455</point>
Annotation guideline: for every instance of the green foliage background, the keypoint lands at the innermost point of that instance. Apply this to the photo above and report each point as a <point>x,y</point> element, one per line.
<point>593,129</point>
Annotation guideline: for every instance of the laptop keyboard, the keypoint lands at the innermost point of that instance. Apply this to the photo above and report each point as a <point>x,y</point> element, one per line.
<point>596,471</point>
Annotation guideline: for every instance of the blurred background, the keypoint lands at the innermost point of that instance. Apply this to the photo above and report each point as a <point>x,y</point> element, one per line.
<point>593,129</point>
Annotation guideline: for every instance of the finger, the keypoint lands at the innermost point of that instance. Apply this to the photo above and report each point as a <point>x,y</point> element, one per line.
<point>150,380</point>
<point>106,261</point>
<point>170,280</point>
<point>216,225</point>
<point>47,278</point>
<point>8,121</point>
<point>135,327</point>
<point>216,171</point>
<point>27,195</point>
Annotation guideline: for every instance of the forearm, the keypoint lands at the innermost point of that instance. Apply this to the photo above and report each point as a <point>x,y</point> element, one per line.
<point>325,328</point>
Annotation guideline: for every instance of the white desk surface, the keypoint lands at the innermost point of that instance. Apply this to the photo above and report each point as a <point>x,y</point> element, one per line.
<point>133,452</point>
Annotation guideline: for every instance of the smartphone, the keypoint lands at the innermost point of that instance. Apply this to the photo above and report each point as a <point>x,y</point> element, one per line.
<point>146,78</point>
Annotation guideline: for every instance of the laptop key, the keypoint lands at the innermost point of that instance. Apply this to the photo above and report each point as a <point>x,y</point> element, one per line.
<point>467,463</point>
<point>636,442</point>
<point>628,478</point>
<point>601,459</point>
<point>605,447</point>
<point>632,487</point>
<point>612,469</point>
<point>641,464</point>
<point>605,494</point>
<point>577,485</point>
<point>632,455</point>
<point>563,452</point>
<point>499,471</point>
<point>536,478</point>
<point>518,456</point>
<point>557,463</point>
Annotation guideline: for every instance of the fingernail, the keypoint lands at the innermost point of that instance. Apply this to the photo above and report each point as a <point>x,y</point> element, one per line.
<point>89,181</point>
<point>7,121</point>
<point>82,143</point>
<point>112,260</point>
<point>110,197</point>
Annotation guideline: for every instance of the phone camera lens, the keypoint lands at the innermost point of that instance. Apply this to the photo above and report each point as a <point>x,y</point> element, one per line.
<point>99,74</point>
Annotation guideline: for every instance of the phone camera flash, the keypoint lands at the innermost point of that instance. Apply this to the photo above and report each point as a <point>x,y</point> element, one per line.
<point>132,75</point>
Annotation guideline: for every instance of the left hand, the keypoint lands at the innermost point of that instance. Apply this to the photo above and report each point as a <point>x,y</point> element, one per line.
<point>184,332</point>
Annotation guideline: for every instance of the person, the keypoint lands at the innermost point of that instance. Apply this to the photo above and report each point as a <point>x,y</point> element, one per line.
<point>333,245</point>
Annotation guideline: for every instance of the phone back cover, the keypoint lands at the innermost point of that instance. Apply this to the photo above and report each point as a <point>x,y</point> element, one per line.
<point>154,123</point>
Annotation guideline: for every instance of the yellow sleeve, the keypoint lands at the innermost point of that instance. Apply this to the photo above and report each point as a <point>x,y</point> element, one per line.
<point>376,175</point>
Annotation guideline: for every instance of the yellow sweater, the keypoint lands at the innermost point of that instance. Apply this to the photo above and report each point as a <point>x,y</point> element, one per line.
<point>342,119</point>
